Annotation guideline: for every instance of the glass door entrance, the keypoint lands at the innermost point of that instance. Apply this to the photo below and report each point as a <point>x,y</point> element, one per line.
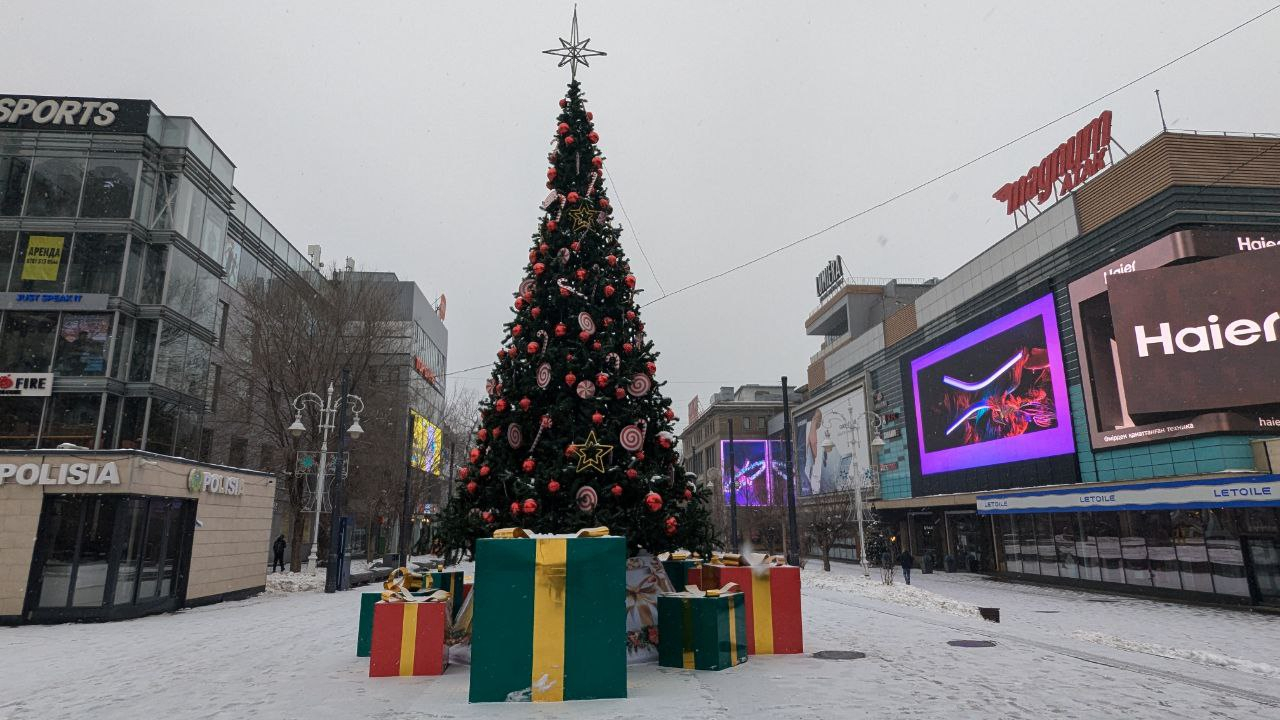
<point>1263,558</point>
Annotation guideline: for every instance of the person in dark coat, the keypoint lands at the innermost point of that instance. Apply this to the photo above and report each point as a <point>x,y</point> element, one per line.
<point>277,549</point>
<point>906,561</point>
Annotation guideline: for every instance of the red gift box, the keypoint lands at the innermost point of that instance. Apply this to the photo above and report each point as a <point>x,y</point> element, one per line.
<point>772,605</point>
<point>408,639</point>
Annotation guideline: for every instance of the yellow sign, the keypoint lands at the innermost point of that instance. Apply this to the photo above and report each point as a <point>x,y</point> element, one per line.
<point>428,445</point>
<point>43,257</point>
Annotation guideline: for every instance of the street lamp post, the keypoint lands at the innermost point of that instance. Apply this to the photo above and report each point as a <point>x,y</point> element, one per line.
<point>851,424</point>
<point>327,407</point>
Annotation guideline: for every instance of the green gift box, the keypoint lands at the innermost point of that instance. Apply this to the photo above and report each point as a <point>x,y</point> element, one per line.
<point>450,581</point>
<point>699,631</point>
<point>550,622</point>
<point>683,573</point>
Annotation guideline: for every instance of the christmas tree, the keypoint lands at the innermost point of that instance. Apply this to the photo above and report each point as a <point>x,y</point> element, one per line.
<point>575,431</point>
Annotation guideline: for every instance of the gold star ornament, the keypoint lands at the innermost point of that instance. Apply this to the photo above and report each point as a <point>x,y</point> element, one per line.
<point>592,454</point>
<point>582,217</point>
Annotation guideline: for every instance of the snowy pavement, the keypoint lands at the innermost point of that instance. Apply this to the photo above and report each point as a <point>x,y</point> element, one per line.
<point>1057,653</point>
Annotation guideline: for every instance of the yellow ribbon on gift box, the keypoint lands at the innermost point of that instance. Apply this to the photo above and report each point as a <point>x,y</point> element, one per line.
<point>693,591</point>
<point>549,575</point>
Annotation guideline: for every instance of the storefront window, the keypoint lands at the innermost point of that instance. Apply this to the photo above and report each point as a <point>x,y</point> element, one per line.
<point>55,187</point>
<point>153,551</point>
<point>1064,535</point>
<point>1087,548</point>
<point>108,188</point>
<point>20,422</point>
<point>153,275</point>
<point>27,341</point>
<point>106,437</point>
<point>1046,553</point>
<point>82,344</point>
<point>1105,539</point>
<point>1026,529</point>
<point>1226,559</point>
<point>1160,551</point>
<point>72,418</point>
<point>135,521</point>
<point>161,426</point>
<point>1133,550</point>
<point>132,418</point>
<point>1009,533</point>
<point>96,264</point>
<point>96,530</point>
<point>14,170</point>
<point>120,346</point>
<point>41,262</point>
<point>142,351</point>
<point>60,527</point>
<point>1193,558</point>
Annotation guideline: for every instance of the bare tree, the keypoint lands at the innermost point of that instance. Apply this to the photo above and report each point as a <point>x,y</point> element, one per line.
<point>826,526</point>
<point>291,338</point>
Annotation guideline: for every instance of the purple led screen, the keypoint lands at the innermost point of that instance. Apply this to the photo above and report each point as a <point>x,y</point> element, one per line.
<point>994,396</point>
<point>753,474</point>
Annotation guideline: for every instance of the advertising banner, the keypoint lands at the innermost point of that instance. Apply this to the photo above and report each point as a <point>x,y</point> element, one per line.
<point>1173,339</point>
<point>428,445</point>
<point>43,257</point>
<point>826,455</point>
<point>752,472</point>
<point>26,384</point>
<point>995,395</point>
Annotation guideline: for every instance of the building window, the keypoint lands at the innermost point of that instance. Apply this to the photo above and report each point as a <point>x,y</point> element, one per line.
<point>55,187</point>
<point>41,262</point>
<point>83,339</point>
<point>162,425</point>
<point>72,419</point>
<point>96,263</point>
<point>237,452</point>
<point>746,423</point>
<point>108,188</point>
<point>27,341</point>
<point>214,387</point>
<point>20,422</point>
<point>132,419</point>
<point>14,171</point>
<point>142,351</point>
<point>220,324</point>
<point>153,275</point>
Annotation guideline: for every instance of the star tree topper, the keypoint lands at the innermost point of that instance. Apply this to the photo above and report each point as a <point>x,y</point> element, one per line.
<point>592,454</point>
<point>572,51</point>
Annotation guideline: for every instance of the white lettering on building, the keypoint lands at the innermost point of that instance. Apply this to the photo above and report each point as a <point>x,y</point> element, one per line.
<point>60,474</point>
<point>58,112</point>
<point>1202,338</point>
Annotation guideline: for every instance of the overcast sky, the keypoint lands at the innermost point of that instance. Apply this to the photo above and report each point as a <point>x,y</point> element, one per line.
<point>412,136</point>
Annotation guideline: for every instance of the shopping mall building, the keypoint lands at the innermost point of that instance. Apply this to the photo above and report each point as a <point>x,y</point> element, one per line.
<point>1092,400</point>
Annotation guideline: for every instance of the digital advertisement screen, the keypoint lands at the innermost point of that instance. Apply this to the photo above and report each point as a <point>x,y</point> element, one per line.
<point>827,452</point>
<point>752,472</point>
<point>428,445</point>
<point>1173,336</point>
<point>995,395</point>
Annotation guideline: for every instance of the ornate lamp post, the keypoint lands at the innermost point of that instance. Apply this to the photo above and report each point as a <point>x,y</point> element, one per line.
<point>328,409</point>
<point>851,423</point>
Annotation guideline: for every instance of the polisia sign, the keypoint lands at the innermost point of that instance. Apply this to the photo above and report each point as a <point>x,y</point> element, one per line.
<point>77,473</point>
<point>211,482</point>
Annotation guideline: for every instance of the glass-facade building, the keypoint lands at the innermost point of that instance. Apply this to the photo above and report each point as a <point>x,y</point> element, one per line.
<point>122,243</point>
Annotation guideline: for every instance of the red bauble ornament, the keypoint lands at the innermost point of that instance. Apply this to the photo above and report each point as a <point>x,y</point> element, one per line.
<point>639,456</point>
<point>539,268</point>
<point>535,312</point>
<point>551,173</point>
<point>531,348</point>
<point>596,345</point>
<point>664,441</point>
<point>620,393</point>
<point>516,330</point>
<point>616,490</point>
<point>611,259</point>
<point>631,314</point>
<point>564,292</point>
<point>688,494</point>
<point>560,329</point>
<point>568,140</point>
<point>553,486</point>
<point>515,508</point>
<point>671,526</point>
<point>570,379</point>
<point>551,227</point>
<point>570,450</point>
<point>632,473</point>
<point>484,471</point>
<point>602,379</point>
<point>651,367</point>
<point>609,291</point>
<point>544,248</point>
<point>525,403</point>
<point>512,351</point>
<point>575,246</point>
<point>496,432</point>
<point>593,136</point>
<point>482,434</point>
<point>464,472</point>
<point>501,353</point>
<point>590,116</point>
<point>596,417</point>
<point>564,102</point>
<point>528,295</point>
<point>604,203</point>
<point>530,506</point>
<point>472,487</point>
<point>474,454</point>
<point>654,501</point>
<point>584,336</point>
<point>528,465</point>
<point>580,274</point>
<point>519,303</point>
<point>572,197</point>
<point>628,347</point>
<point>608,321</point>
<point>501,405</point>
<point>597,162</point>
<point>670,414</point>
<point>532,256</point>
<point>563,128</point>
<point>631,281</point>
<point>487,516</point>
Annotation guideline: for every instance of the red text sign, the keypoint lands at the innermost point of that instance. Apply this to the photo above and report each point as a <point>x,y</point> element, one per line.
<point>1076,160</point>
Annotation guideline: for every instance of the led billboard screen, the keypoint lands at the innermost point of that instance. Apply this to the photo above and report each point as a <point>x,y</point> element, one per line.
<point>428,445</point>
<point>995,395</point>
<point>1173,339</point>
<point>752,472</point>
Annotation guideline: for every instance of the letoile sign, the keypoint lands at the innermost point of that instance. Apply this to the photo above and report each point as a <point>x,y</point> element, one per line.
<point>1081,157</point>
<point>65,474</point>
<point>26,384</point>
<point>210,482</point>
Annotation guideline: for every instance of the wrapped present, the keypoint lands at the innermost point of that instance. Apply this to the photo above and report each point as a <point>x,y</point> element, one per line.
<point>702,630</point>
<point>364,635</point>
<point>646,579</point>
<point>458,638</point>
<point>406,578</point>
<point>683,572</point>
<point>549,622</point>
<point>409,636</point>
<point>450,582</point>
<point>772,603</point>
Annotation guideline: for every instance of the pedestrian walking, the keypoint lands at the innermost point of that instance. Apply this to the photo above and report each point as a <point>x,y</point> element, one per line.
<point>277,550</point>
<point>906,561</point>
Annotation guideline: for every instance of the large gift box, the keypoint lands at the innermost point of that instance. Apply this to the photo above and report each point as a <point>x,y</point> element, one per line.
<point>772,604</point>
<point>408,637</point>
<point>550,620</point>
<point>700,630</point>
<point>451,582</point>
<point>683,570</point>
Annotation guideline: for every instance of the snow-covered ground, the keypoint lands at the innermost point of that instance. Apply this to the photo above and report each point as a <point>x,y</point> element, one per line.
<point>1057,653</point>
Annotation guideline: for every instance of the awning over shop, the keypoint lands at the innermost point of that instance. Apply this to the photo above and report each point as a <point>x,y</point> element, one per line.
<point>1246,491</point>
